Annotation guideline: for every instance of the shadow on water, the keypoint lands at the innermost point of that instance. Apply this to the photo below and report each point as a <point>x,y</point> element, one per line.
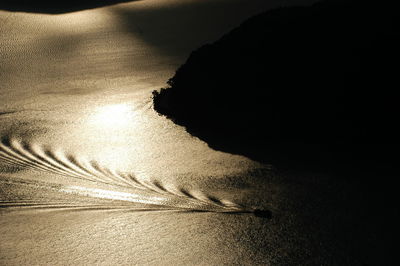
<point>183,24</point>
<point>55,7</point>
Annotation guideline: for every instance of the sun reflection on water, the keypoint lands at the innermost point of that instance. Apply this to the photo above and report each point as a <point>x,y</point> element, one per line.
<point>113,195</point>
<point>108,131</point>
<point>116,116</point>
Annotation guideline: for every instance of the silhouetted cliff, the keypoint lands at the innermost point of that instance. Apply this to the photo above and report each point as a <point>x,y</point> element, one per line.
<point>295,85</point>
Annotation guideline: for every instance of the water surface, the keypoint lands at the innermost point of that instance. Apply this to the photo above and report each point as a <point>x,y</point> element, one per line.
<point>90,174</point>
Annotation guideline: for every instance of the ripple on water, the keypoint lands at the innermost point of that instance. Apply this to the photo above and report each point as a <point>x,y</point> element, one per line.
<point>122,190</point>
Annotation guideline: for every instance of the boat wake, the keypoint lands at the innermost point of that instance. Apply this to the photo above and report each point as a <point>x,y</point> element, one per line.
<point>102,188</point>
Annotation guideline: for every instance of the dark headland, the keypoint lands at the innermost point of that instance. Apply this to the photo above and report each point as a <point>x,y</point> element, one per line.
<point>312,91</point>
<point>304,87</point>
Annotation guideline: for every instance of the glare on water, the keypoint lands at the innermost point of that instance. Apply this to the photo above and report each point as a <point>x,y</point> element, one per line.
<point>113,117</point>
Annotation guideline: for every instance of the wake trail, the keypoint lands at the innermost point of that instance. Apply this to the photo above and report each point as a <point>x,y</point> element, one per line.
<point>103,188</point>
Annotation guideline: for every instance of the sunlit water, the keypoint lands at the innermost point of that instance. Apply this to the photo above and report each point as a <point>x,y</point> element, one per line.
<point>89,172</point>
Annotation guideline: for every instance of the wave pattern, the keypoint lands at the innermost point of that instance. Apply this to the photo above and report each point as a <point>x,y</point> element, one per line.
<point>141,195</point>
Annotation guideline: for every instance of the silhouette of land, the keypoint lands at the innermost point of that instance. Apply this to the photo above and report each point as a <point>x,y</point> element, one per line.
<point>55,7</point>
<point>310,90</point>
<point>300,87</point>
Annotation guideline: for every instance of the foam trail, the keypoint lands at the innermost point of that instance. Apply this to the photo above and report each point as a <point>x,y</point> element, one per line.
<point>121,188</point>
